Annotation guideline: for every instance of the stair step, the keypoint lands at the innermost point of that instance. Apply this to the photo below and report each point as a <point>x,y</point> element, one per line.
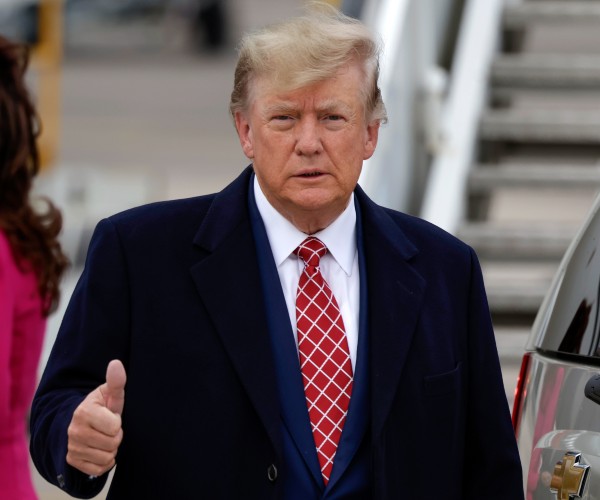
<point>541,126</point>
<point>515,300</point>
<point>513,242</point>
<point>525,13</point>
<point>547,71</point>
<point>485,178</point>
<point>511,343</point>
<point>517,288</point>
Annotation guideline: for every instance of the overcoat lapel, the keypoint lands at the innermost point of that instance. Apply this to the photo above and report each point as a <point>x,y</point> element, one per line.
<point>395,295</point>
<point>228,282</point>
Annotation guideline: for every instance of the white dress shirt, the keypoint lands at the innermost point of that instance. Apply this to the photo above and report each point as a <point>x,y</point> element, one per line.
<point>339,266</point>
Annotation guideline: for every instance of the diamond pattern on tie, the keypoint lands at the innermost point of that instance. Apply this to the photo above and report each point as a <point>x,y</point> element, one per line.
<point>324,355</point>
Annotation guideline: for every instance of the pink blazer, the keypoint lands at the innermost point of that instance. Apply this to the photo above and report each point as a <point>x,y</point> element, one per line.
<point>21,334</point>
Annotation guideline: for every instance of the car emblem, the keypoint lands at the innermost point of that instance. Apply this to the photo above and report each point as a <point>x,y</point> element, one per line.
<point>568,480</point>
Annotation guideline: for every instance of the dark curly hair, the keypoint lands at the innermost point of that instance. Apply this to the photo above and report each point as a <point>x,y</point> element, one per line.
<point>32,235</point>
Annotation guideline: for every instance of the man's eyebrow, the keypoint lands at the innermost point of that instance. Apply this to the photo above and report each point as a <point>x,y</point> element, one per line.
<point>328,106</point>
<point>332,106</point>
<point>337,107</point>
<point>280,108</point>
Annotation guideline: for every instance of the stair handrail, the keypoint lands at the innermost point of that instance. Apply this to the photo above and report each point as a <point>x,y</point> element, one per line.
<point>444,201</point>
<point>416,35</point>
<point>387,18</point>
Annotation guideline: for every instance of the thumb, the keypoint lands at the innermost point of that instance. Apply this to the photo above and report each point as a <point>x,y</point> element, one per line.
<point>114,394</point>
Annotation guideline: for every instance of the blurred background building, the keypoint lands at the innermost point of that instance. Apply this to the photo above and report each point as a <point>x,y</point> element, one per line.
<point>494,130</point>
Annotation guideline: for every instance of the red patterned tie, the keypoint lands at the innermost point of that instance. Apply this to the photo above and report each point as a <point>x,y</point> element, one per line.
<point>324,355</point>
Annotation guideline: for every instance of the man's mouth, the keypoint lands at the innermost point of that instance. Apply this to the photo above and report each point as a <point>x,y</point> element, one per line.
<point>311,174</point>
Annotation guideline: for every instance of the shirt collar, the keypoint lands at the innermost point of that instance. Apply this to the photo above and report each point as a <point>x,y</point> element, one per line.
<point>284,237</point>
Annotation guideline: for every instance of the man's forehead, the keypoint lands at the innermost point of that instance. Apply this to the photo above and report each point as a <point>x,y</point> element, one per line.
<point>317,94</point>
<point>283,103</point>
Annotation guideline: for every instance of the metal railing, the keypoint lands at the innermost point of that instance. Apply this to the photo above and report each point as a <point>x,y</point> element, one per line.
<point>416,35</point>
<point>47,57</point>
<point>445,195</point>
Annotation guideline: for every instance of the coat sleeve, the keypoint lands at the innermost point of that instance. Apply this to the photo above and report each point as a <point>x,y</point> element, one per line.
<point>493,470</point>
<point>94,330</point>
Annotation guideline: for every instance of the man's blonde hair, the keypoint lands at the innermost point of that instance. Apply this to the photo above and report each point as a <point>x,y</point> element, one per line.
<point>306,50</point>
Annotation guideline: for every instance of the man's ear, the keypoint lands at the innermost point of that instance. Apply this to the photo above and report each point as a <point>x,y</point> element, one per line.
<point>371,137</point>
<point>242,126</point>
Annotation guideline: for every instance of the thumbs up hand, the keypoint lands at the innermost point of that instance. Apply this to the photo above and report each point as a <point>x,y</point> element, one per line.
<point>95,433</point>
<point>113,390</point>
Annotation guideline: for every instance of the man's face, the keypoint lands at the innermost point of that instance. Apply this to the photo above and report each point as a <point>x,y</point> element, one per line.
<point>308,145</point>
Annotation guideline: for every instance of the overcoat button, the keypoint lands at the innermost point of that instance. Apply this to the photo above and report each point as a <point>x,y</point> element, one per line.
<point>272,472</point>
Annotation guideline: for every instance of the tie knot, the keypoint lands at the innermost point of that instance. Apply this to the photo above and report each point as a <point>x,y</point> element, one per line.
<point>311,250</point>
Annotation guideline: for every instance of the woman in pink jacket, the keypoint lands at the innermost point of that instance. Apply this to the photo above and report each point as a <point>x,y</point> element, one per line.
<point>31,264</point>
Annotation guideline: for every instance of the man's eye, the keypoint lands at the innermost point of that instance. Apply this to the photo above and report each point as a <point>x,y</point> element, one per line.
<point>282,117</point>
<point>334,118</point>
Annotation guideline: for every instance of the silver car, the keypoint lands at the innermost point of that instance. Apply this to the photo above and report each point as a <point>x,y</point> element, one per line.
<point>556,413</point>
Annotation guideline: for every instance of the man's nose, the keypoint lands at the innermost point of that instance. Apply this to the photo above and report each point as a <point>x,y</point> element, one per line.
<point>308,137</point>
